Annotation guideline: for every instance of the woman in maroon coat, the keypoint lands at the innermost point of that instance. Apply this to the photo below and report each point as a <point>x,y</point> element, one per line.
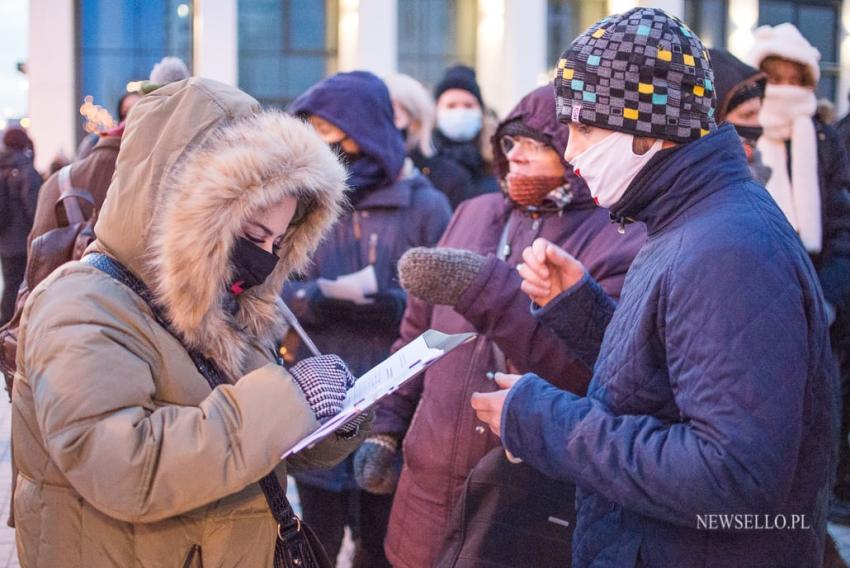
<point>477,289</point>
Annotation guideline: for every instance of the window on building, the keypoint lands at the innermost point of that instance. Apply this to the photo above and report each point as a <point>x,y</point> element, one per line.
<point>818,21</point>
<point>708,18</point>
<point>566,19</point>
<point>285,46</point>
<point>434,34</point>
<point>120,41</point>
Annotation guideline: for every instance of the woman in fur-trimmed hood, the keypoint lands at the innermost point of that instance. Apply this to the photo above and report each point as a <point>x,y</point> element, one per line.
<point>127,456</point>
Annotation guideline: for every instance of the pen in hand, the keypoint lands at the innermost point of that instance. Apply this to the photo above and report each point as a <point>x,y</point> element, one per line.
<point>293,322</point>
<point>491,376</point>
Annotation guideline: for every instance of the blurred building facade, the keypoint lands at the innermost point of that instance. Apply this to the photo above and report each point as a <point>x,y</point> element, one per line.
<point>275,49</point>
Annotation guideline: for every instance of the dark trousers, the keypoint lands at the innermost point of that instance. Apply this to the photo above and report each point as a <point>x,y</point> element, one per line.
<point>13,268</point>
<point>841,348</point>
<point>328,512</point>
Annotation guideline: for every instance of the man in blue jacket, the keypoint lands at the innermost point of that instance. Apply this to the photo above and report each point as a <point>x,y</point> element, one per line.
<point>705,438</point>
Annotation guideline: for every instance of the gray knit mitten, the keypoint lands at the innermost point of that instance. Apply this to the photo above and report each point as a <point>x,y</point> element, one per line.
<point>439,275</point>
<point>377,464</point>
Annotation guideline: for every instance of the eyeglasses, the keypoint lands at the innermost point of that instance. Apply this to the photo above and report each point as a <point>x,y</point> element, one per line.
<point>528,146</point>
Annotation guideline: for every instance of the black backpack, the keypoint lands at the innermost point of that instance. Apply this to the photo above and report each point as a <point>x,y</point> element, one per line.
<point>15,180</point>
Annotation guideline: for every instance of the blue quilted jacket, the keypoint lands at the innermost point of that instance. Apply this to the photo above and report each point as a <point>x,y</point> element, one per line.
<point>712,413</point>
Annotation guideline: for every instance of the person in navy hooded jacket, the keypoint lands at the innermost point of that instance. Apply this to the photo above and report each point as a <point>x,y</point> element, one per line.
<point>393,208</point>
<point>706,437</point>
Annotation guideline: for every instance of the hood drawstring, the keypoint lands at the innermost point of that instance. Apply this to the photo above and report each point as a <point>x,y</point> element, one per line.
<point>622,221</point>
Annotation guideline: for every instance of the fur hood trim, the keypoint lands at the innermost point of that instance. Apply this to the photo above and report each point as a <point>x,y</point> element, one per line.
<point>238,167</point>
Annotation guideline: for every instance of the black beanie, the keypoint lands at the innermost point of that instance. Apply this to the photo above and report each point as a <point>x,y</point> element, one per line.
<point>459,77</point>
<point>735,82</point>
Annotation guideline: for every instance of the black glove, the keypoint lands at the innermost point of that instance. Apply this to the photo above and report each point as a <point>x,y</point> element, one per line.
<point>377,464</point>
<point>352,428</point>
<point>386,309</point>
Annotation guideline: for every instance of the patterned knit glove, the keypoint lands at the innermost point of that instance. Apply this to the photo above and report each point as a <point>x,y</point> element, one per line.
<point>325,380</point>
<point>439,275</point>
<point>377,464</point>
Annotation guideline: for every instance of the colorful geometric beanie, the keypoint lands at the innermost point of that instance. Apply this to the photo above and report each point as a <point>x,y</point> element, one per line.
<point>643,73</point>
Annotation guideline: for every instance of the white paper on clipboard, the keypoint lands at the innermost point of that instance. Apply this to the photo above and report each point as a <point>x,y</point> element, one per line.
<point>385,378</point>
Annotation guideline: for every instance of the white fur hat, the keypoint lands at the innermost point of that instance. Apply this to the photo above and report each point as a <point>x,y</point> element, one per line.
<point>784,41</point>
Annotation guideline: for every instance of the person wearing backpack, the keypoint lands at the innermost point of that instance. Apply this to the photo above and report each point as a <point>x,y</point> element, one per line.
<point>91,174</point>
<point>52,241</point>
<point>56,242</point>
<point>19,185</point>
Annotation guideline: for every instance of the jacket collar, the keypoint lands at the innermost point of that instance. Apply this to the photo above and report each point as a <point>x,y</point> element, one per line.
<point>678,178</point>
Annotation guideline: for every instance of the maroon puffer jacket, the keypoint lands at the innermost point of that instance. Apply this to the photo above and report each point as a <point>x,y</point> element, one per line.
<point>443,440</point>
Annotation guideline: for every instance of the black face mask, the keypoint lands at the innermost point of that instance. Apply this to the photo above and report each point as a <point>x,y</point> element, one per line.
<point>749,133</point>
<point>347,159</point>
<point>364,172</point>
<point>252,265</point>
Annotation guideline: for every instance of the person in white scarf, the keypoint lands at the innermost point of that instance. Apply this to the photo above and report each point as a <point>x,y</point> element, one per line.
<point>811,187</point>
<point>789,106</point>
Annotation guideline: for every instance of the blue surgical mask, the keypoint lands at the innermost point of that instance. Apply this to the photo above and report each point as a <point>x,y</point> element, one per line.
<point>460,124</point>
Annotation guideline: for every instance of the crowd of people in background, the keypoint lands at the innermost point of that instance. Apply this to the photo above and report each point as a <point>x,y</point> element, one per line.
<point>653,251</point>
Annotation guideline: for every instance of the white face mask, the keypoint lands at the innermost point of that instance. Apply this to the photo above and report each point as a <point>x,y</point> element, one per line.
<point>609,166</point>
<point>460,124</point>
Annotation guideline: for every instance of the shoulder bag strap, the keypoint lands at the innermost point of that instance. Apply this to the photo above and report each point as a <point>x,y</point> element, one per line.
<point>292,547</point>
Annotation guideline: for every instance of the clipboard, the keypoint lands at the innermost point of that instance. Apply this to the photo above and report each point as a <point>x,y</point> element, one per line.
<point>385,378</point>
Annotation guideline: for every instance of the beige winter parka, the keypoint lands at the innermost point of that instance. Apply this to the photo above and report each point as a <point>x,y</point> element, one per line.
<point>126,456</point>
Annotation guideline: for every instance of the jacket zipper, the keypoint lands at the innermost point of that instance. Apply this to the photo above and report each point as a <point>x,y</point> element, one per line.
<point>358,232</point>
<point>373,248</point>
<point>476,354</point>
<point>355,217</point>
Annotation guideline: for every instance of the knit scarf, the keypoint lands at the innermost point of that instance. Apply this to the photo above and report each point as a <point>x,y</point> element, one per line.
<point>530,191</point>
<point>787,115</point>
<point>467,154</point>
<point>365,174</point>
